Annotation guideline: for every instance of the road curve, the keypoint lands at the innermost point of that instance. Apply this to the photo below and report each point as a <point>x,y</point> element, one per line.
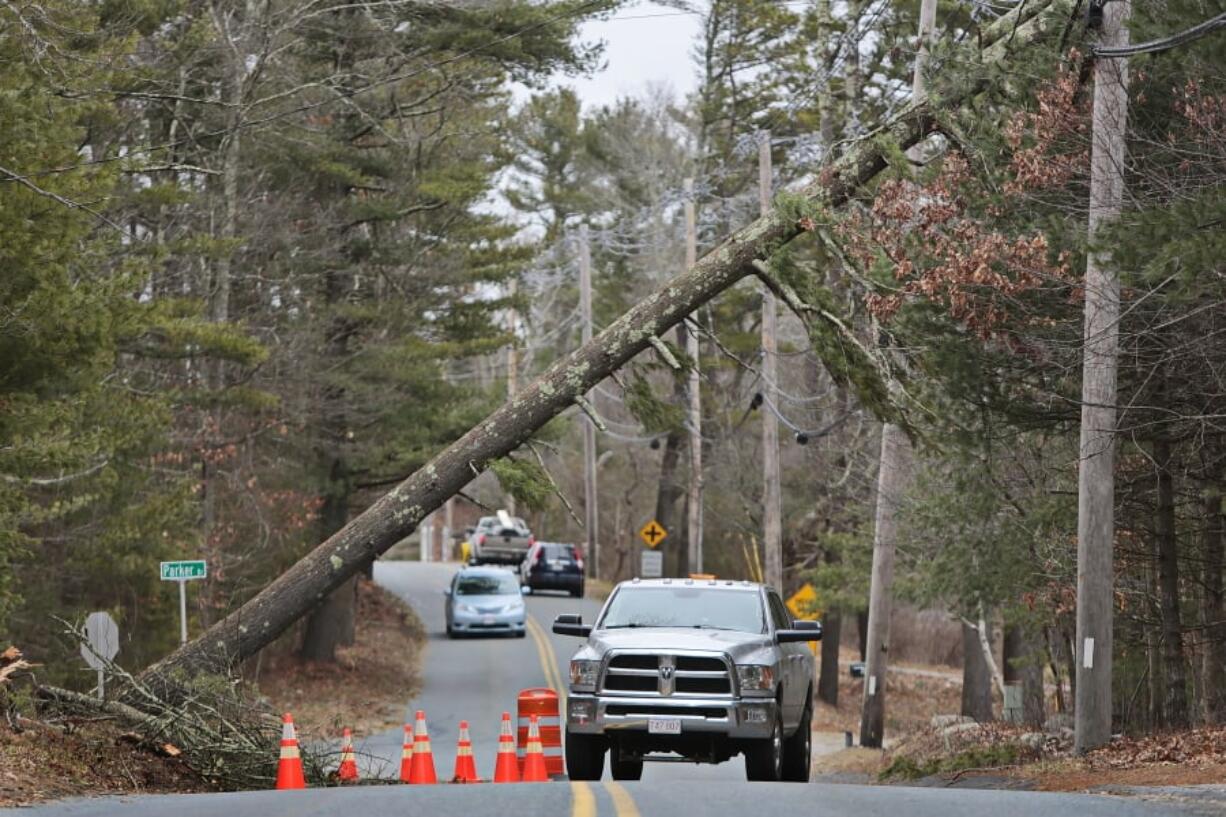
<point>476,680</point>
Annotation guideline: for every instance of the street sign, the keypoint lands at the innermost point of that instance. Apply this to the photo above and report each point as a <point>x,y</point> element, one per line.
<point>184,571</point>
<point>653,564</point>
<point>653,533</point>
<point>803,603</point>
<point>101,643</point>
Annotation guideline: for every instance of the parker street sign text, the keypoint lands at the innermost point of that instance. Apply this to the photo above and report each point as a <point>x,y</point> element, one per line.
<point>184,571</point>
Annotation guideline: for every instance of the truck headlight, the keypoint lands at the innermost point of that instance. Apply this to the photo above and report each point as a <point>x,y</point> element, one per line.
<point>756,678</point>
<point>583,675</point>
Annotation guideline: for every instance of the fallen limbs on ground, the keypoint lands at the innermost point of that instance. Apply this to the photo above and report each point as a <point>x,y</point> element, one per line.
<point>229,741</point>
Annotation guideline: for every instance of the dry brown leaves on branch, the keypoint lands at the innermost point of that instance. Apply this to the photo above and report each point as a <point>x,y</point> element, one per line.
<point>1050,144</point>
<point>942,253</point>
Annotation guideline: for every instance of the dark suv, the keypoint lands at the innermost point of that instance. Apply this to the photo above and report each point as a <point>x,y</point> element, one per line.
<point>553,566</point>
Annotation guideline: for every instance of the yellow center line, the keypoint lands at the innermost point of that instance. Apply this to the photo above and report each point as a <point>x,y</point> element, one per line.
<point>549,660</point>
<point>623,803</point>
<point>583,803</point>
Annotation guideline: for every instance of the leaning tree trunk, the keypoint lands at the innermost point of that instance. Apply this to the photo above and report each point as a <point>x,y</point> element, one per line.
<point>1175,668</point>
<point>976,677</point>
<point>395,515</point>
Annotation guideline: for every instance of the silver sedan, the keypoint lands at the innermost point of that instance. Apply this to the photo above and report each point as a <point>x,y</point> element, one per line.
<point>485,600</point>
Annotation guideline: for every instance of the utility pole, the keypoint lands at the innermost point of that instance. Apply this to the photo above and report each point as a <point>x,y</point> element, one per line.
<point>512,364</point>
<point>448,529</point>
<point>1096,476</point>
<point>893,476</point>
<point>772,528</point>
<point>590,517</point>
<point>694,395</point>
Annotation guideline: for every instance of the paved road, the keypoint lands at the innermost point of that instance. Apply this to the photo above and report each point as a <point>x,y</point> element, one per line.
<point>607,799</point>
<point>477,679</point>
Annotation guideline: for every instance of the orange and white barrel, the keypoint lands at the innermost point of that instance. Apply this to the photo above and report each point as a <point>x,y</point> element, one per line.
<point>543,703</point>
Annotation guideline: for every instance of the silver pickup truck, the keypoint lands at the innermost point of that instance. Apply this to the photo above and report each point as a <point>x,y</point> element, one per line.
<point>695,670</point>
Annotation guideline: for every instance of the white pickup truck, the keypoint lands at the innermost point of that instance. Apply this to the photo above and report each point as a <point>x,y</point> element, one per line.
<point>700,670</point>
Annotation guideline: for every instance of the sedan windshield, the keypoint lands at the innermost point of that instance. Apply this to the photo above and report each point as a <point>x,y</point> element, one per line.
<point>701,608</point>
<point>487,585</point>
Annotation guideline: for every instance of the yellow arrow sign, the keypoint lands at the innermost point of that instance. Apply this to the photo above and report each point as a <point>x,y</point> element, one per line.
<point>653,534</point>
<point>803,603</point>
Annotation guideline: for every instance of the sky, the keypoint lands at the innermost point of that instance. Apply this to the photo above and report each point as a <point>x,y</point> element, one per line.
<point>645,44</point>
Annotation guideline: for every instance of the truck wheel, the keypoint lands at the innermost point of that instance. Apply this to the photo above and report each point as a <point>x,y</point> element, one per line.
<point>798,750</point>
<point>624,769</point>
<point>584,756</point>
<point>764,758</point>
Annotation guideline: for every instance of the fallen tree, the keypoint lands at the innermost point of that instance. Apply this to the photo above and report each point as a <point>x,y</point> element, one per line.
<point>748,252</point>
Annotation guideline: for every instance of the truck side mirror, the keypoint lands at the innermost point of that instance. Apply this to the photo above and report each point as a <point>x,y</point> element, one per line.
<point>801,631</point>
<point>571,624</point>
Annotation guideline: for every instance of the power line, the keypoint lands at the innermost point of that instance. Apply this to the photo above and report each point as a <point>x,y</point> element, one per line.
<point>1166,43</point>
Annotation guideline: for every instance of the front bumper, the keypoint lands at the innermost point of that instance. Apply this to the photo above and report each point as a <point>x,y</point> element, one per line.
<point>747,718</point>
<point>488,622</point>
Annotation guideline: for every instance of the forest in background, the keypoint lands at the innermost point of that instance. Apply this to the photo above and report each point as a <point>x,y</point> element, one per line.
<point>253,278</point>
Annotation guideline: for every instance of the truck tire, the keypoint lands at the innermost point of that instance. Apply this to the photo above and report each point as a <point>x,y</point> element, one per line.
<point>798,749</point>
<point>764,757</point>
<point>584,756</point>
<point>624,769</point>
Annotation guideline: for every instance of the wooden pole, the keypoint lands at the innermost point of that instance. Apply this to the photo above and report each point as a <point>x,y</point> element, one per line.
<point>893,476</point>
<point>1096,476</point>
<point>772,527</point>
<point>694,400</point>
<point>395,515</point>
<point>512,366</point>
<point>590,517</point>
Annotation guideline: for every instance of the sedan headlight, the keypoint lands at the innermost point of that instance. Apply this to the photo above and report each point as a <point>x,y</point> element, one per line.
<point>465,608</point>
<point>583,675</point>
<point>513,607</point>
<point>756,678</point>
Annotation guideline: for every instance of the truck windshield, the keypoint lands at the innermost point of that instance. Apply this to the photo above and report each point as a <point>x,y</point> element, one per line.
<point>701,608</point>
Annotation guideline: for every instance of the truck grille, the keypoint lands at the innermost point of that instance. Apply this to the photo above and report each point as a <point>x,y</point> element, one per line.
<point>667,675</point>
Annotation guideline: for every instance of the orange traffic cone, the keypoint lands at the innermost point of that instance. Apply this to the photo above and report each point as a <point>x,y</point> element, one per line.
<point>506,770</point>
<point>406,755</point>
<point>348,770</point>
<point>289,767</point>
<point>422,769</point>
<point>534,757</point>
<point>465,768</point>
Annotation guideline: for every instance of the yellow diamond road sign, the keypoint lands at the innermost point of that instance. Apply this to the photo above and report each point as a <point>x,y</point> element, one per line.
<point>803,603</point>
<point>653,533</point>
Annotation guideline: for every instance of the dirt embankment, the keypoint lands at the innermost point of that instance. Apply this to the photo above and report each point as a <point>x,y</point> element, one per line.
<point>45,756</point>
<point>370,683</point>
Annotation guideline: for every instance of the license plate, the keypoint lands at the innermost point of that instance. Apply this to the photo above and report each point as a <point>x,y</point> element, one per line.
<point>664,726</point>
<point>555,566</point>
<point>487,619</point>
